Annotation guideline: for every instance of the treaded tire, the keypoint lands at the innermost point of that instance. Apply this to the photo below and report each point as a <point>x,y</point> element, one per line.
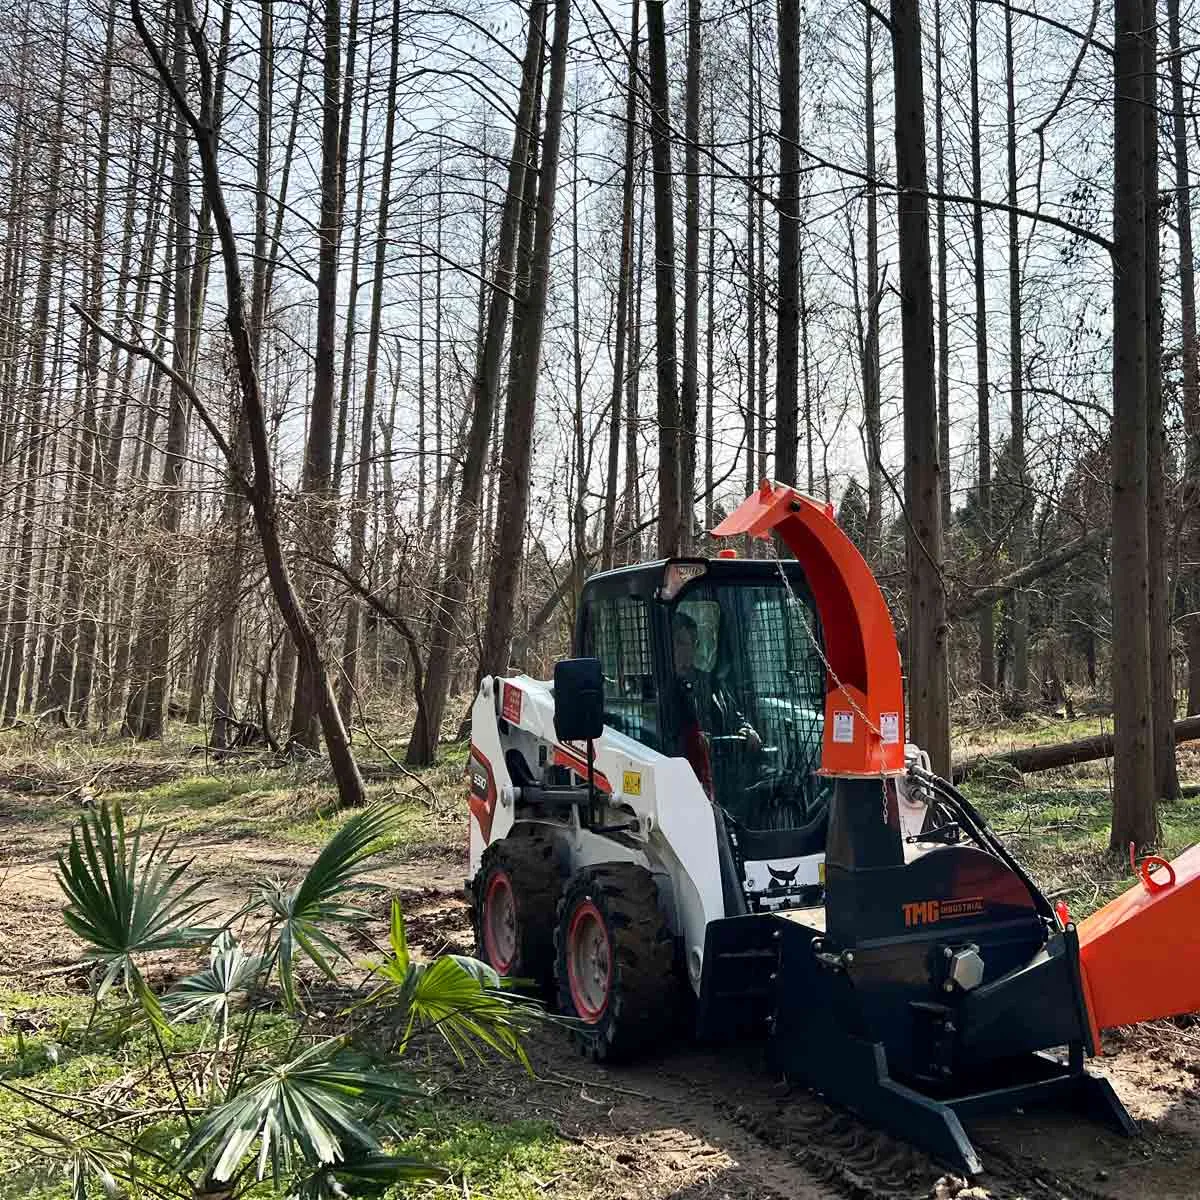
<point>526,867</point>
<point>633,1008</point>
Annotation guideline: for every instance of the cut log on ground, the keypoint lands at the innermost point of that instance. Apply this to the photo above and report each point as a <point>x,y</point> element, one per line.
<point>1062,754</point>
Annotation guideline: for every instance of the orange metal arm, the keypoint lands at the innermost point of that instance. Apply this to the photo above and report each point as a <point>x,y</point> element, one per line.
<point>864,703</point>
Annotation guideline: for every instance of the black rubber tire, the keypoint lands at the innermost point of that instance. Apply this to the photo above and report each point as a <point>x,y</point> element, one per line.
<point>530,866</point>
<point>640,1004</point>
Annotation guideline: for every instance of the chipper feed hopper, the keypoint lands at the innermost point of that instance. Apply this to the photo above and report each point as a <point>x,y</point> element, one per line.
<point>712,816</point>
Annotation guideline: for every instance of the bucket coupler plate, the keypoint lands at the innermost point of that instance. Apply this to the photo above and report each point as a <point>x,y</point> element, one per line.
<point>819,1038</point>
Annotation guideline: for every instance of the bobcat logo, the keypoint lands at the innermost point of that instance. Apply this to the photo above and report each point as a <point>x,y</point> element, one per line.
<point>783,879</point>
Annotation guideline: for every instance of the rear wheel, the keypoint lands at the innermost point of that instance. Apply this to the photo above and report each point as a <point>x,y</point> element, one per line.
<point>614,960</point>
<point>515,894</point>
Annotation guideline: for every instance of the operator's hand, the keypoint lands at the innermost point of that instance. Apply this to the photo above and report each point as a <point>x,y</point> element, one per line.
<point>751,738</point>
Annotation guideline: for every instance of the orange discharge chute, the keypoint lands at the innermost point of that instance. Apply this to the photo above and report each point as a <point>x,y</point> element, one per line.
<point>864,703</point>
<point>1140,953</point>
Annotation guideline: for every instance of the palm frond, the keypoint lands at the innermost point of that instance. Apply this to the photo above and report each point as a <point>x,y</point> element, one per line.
<point>463,999</point>
<point>213,992</point>
<point>298,914</point>
<point>122,900</point>
<point>310,1110</point>
<point>324,1183</point>
<point>80,1163</point>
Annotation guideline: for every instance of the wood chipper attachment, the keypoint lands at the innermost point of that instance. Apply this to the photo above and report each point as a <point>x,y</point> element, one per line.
<point>937,983</point>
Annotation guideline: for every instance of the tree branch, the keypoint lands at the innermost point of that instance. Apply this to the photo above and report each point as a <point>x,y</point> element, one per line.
<point>180,382</point>
<point>966,605</point>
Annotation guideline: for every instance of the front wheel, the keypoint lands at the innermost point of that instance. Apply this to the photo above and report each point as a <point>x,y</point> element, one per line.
<point>515,895</point>
<point>614,958</point>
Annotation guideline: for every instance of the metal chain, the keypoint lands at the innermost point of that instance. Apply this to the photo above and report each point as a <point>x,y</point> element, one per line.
<point>812,637</point>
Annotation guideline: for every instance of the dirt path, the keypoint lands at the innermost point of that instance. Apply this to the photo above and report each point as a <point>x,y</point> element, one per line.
<point>695,1124</point>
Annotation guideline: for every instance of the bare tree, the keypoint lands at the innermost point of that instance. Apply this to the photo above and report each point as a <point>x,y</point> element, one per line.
<point>667,378</point>
<point>787,355</point>
<point>518,419</point>
<point>928,678</point>
<point>484,401</point>
<point>1134,814</point>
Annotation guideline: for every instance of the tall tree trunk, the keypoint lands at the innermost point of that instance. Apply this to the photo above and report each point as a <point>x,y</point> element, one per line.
<point>871,380</point>
<point>608,534</point>
<point>438,464</point>
<point>317,475</point>
<point>518,419</point>
<point>633,384</point>
<point>22,568</point>
<point>1162,671</point>
<point>1134,812</point>
<point>987,619</point>
<point>787,329</point>
<point>358,513</point>
<point>348,340</point>
<point>752,476</point>
<point>669,473</point>
<point>751,408</point>
<point>689,395</point>
<point>76,620</point>
<point>350,333</point>
<point>148,707</point>
<point>422,473</point>
<point>484,403</point>
<point>943,305</point>
<point>261,487</point>
<point>579,509</point>
<point>1018,543</point>
<point>224,700</point>
<point>1191,360</point>
<point>710,332</point>
<point>764,350</point>
<point>928,675</point>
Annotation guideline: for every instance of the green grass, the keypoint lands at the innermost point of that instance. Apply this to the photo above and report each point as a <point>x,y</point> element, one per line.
<point>516,1160</point>
<point>1061,835</point>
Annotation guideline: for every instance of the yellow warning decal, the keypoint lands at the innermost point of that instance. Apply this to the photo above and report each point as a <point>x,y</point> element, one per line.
<point>631,785</point>
<point>821,872</point>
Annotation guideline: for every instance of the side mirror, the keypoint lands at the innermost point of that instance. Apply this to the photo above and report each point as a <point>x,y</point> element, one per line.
<point>578,699</point>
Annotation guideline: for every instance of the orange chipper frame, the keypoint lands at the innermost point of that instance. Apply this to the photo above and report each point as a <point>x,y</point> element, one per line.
<point>860,643</point>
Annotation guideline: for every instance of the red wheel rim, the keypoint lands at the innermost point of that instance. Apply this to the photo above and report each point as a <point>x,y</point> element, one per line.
<point>589,962</point>
<point>500,923</point>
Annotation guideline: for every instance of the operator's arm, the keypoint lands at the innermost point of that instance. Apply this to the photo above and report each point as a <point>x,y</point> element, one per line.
<point>737,721</point>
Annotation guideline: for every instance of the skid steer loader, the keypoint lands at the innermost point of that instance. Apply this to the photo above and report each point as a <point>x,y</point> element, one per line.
<point>711,817</point>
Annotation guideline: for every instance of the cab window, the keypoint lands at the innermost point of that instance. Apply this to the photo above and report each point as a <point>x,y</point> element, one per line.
<point>617,632</point>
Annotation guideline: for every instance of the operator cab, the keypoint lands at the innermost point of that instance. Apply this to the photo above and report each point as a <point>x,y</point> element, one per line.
<point>720,661</point>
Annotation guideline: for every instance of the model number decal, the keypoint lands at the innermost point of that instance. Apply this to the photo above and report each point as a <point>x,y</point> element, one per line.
<point>928,912</point>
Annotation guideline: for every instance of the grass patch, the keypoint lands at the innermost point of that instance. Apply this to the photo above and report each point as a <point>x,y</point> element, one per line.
<point>515,1160</point>
<point>1060,834</point>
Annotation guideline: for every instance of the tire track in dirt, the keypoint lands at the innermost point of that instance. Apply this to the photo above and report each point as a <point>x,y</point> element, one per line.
<point>804,1147</point>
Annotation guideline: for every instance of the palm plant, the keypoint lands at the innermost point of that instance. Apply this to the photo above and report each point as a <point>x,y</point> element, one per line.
<point>300,916</point>
<point>122,902</point>
<point>311,1114</point>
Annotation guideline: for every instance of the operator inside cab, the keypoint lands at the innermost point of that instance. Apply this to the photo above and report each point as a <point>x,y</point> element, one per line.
<point>707,708</point>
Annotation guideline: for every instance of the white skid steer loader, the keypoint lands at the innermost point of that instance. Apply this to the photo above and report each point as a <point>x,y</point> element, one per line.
<point>711,818</point>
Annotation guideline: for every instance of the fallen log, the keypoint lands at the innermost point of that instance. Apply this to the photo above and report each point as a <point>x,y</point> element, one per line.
<point>1062,754</point>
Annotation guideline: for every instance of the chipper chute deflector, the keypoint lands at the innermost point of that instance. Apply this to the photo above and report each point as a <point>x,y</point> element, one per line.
<point>716,795</point>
